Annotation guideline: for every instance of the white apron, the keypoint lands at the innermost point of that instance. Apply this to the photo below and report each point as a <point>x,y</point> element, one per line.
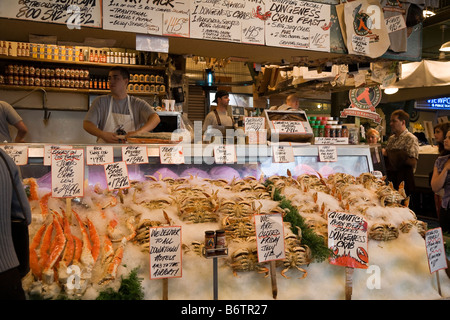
<point>115,121</point>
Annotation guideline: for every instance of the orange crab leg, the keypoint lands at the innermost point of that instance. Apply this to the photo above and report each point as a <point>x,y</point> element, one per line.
<point>70,245</point>
<point>95,240</point>
<point>78,247</point>
<point>46,243</point>
<point>57,246</point>
<point>34,260</point>
<point>43,204</point>
<point>33,188</point>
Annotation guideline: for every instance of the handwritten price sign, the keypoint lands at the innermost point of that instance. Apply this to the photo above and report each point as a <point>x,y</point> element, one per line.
<point>435,250</point>
<point>269,237</point>
<point>117,175</point>
<point>99,155</point>
<point>135,154</point>
<point>67,173</point>
<point>171,154</point>
<point>18,153</point>
<point>283,126</point>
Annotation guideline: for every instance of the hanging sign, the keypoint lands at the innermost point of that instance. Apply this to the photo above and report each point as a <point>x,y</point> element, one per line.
<point>134,154</point>
<point>171,154</point>
<point>298,24</point>
<point>67,173</point>
<point>99,155</point>
<point>363,103</point>
<point>347,239</point>
<point>117,175</point>
<point>269,237</point>
<point>75,14</point>
<point>19,154</point>
<point>435,250</point>
<point>165,252</point>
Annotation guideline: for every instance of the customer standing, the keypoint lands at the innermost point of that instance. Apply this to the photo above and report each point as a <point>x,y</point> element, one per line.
<point>402,152</point>
<point>10,279</point>
<point>441,180</point>
<point>440,132</point>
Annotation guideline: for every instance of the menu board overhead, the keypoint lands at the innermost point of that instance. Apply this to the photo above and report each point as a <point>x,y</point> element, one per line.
<point>75,14</point>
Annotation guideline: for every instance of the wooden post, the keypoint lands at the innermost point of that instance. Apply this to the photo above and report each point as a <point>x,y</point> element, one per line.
<point>273,276</point>
<point>165,283</point>
<point>69,209</point>
<point>438,283</point>
<point>348,283</point>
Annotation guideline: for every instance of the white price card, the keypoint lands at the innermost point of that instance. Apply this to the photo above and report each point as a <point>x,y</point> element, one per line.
<point>99,155</point>
<point>171,154</point>
<point>284,126</point>
<point>282,154</point>
<point>254,123</point>
<point>117,175</point>
<point>269,237</point>
<point>134,154</point>
<point>48,149</point>
<point>18,153</point>
<point>165,252</point>
<point>67,173</point>
<point>435,250</point>
<point>327,153</point>
<point>225,153</point>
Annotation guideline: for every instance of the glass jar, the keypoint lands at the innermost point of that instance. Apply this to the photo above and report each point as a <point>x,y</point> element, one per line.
<point>353,136</point>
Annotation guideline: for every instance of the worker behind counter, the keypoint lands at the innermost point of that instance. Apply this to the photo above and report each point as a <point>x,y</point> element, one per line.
<point>114,117</point>
<point>292,104</point>
<point>219,116</point>
<point>9,116</point>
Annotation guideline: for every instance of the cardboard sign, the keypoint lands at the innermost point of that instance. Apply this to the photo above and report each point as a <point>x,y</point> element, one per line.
<point>347,239</point>
<point>435,250</point>
<point>225,153</point>
<point>99,155</point>
<point>171,154</point>
<point>282,154</point>
<point>18,153</point>
<point>284,126</point>
<point>254,123</point>
<point>117,175</point>
<point>67,173</point>
<point>165,252</point>
<point>269,237</point>
<point>327,153</point>
<point>134,154</point>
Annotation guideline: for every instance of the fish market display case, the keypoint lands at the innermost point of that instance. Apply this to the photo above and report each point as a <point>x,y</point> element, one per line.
<point>110,230</point>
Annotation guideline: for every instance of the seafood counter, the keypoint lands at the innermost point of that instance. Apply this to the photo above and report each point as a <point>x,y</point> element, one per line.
<point>103,237</point>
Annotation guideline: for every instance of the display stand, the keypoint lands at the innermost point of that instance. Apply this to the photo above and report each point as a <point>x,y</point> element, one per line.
<point>214,254</point>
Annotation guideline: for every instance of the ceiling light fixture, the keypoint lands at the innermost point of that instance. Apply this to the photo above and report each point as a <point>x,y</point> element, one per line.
<point>390,90</point>
<point>428,13</point>
<point>445,47</point>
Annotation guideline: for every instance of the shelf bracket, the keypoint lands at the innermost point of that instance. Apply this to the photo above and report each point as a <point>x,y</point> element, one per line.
<point>44,103</point>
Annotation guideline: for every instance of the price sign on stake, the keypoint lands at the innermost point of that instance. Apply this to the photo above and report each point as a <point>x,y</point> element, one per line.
<point>269,237</point>
<point>117,175</point>
<point>435,250</point>
<point>99,155</point>
<point>165,252</point>
<point>67,173</point>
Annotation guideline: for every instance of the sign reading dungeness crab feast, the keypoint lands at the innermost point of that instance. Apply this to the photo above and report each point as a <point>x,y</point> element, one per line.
<point>347,239</point>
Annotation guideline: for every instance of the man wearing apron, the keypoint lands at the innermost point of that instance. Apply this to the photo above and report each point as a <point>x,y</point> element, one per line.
<point>113,117</point>
<point>219,116</point>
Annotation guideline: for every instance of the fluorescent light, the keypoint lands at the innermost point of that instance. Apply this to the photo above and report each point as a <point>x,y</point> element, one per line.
<point>428,13</point>
<point>390,90</point>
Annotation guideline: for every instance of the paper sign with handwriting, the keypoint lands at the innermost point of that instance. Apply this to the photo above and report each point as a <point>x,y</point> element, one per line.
<point>18,153</point>
<point>254,123</point>
<point>225,153</point>
<point>282,154</point>
<point>347,239</point>
<point>435,250</point>
<point>327,153</point>
<point>171,154</point>
<point>48,149</point>
<point>134,154</point>
<point>283,126</point>
<point>269,237</point>
<point>117,175</point>
<point>99,155</point>
<point>165,252</point>
<point>67,173</point>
